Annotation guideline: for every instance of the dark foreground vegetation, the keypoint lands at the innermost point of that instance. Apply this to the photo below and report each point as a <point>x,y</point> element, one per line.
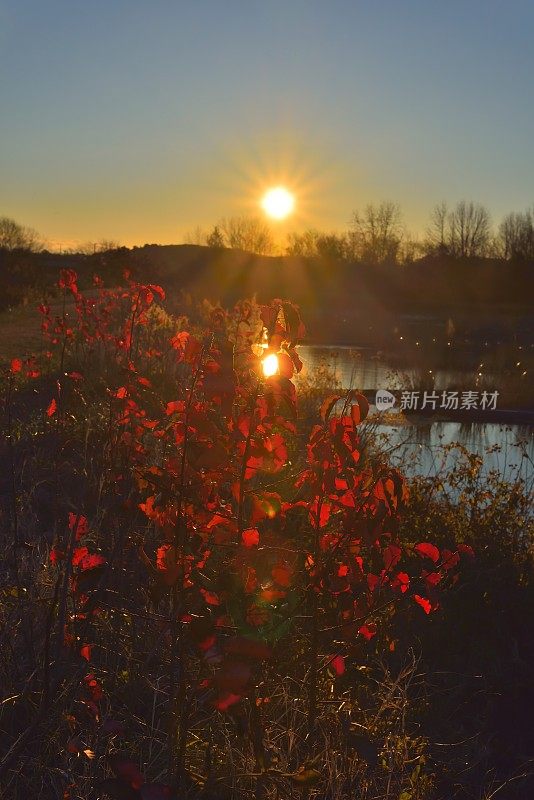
<point>207,594</point>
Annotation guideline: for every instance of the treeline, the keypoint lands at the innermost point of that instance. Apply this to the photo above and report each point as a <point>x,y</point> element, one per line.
<point>378,235</point>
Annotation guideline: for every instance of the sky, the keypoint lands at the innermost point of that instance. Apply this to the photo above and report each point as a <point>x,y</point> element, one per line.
<point>137,120</point>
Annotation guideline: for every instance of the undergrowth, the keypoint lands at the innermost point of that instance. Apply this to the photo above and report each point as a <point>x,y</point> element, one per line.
<point>204,595</point>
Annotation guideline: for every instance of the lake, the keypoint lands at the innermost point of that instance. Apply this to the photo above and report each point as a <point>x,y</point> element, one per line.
<point>420,445</point>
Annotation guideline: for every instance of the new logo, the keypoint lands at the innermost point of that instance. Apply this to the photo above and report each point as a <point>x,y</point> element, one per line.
<point>384,400</point>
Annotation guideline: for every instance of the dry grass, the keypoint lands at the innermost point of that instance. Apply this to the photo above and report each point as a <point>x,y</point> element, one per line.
<point>20,333</point>
<point>20,327</point>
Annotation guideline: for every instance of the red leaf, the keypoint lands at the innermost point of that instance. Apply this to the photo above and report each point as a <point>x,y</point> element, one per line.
<point>91,561</point>
<point>180,340</point>
<point>251,537</point>
<point>285,365</point>
<point>187,346</point>
<point>360,409</point>
<point>175,407</point>
<point>226,700</point>
<point>16,365</point>
<point>327,406</point>
<point>164,557</point>
<point>210,597</point>
<point>93,687</point>
<point>166,562</point>
<point>432,578</point>
<point>402,581</point>
<point>157,290</point>
<point>81,524</point>
<point>148,507</point>
<point>297,363</point>
<point>427,550</point>
<point>466,549</point>
<point>449,560</point>
<point>52,408</point>
<point>282,573</point>
<point>368,631</point>
<point>254,464</point>
<point>121,393</point>
<point>392,555</point>
<point>338,665</point>
<point>85,652</point>
<point>207,643</point>
<point>78,554</point>
<point>425,604</point>
<point>68,279</point>
<point>56,555</point>
<point>217,520</point>
<point>372,581</point>
<point>323,512</point>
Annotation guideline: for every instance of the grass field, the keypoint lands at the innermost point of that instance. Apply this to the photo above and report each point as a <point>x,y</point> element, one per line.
<point>20,327</point>
<point>20,332</point>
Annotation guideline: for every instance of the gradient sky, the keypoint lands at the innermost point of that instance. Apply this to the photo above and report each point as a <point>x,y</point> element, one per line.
<point>138,119</point>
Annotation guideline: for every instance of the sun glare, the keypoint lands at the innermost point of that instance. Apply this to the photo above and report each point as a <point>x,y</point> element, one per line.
<point>270,365</point>
<point>278,203</point>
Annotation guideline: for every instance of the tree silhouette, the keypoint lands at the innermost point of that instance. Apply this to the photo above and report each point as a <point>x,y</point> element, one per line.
<point>14,236</point>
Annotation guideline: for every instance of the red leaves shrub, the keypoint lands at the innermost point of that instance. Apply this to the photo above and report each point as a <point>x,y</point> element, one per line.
<point>237,524</point>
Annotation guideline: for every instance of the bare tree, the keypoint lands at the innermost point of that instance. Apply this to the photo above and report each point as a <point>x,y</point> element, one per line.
<point>437,234</point>
<point>303,244</point>
<point>92,248</point>
<point>333,246</point>
<point>14,236</point>
<point>106,245</point>
<point>247,233</point>
<point>376,234</point>
<point>469,230</point>
<point>196,236</point>
<point>313,244</point>
<point>410,249</point>
<point>516,236</point>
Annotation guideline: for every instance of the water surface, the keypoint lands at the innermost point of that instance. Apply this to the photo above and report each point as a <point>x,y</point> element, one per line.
<point>421,446</point>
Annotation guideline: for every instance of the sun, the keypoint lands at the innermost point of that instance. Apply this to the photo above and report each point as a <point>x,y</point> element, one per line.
<point>278,202</point>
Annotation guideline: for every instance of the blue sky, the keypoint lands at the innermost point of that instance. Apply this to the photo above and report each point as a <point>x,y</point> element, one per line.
<point>137,120</point>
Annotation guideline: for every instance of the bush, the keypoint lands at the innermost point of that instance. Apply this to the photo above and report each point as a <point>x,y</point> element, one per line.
<point>195,594</point>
